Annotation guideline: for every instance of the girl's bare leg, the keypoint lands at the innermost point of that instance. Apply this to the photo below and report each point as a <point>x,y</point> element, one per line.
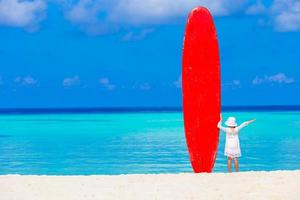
<point>236,164</point>
<point>229,164</point>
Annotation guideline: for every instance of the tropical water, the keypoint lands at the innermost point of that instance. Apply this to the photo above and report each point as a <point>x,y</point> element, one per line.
<point>136,142</point>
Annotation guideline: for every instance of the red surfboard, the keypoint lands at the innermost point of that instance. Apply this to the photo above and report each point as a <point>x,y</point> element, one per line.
<point>201,89</point>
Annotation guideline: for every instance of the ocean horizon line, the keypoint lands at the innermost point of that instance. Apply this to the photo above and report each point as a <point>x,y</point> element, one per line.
<point>70,110</point>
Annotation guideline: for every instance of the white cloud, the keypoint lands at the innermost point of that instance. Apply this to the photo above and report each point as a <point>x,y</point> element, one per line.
<point>257,80</point>
<point>236,82</point>
<point>277,78</point>
<point>232,85</point>
<point>22,13</point>
<point>133,36</point>
<point>145,86</point>
<point>286,14</point>
<point>100,16</point>
<point>280,78</point>
<point>160,11</point>
<point>84,11</point>
<point>27,80</point>
<point>105,82</point>
<point>178,82</point>
<point>103,16</point>
<point>71,81</point>
<point>90,16</point>
<point>256,9</point>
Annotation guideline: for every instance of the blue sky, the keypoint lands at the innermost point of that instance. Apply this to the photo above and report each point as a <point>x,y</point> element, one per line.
<point>104,53</point>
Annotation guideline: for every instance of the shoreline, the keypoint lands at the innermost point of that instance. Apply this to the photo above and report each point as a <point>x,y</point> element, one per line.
<point>281,184</point>
<point>150,174</point>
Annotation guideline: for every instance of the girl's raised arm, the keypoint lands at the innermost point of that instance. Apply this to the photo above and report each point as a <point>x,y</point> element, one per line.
<point>220,124</point>
<point>245,124</point>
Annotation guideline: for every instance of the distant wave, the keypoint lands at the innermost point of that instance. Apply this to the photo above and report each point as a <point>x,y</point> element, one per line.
<point>262,108</point>
<point>87,110</point>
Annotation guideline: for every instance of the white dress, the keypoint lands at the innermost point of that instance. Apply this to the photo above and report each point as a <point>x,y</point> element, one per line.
<point>232,143</point>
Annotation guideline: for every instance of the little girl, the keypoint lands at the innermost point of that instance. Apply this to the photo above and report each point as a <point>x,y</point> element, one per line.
<point>232,144</point>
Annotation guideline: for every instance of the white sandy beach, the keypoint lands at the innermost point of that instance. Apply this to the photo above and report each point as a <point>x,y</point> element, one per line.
<point>243,185</point>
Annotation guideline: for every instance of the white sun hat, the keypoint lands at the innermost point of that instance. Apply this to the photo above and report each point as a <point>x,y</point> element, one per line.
<point>231,121</point>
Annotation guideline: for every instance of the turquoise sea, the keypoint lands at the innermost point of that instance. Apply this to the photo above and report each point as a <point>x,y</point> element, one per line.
<point>136,142</point>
